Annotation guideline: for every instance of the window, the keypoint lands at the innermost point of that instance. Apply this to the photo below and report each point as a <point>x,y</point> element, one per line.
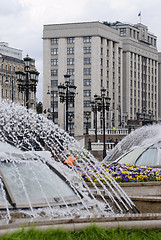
<point>87,60</point>
<point>122,32</point>
<point>87,103</point>
<point>87,71</point>
<point>87,82</point>
<point>54,83</point>
<point>87,50</point>
<point>54,41</point>
<point>70,40</point>
<point>29,171</point>
<point>54,62</point>
<point>87,93</point>
<point>70,72</point>
<point>54,72</point>
<point>70,61</point>
<point>70,50</point>
<point>87,39</point>
<point>54,51</point>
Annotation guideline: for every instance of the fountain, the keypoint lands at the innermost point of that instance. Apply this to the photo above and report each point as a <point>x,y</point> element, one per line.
<point>137,142</point>
<point>35,182</point>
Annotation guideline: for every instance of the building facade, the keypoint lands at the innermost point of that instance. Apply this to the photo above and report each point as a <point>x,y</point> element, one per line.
<point>121,58</point>
<point>10,62</point>
<point>140,71</point>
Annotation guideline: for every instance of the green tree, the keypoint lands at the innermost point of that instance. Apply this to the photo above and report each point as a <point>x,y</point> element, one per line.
<point>39,107</point>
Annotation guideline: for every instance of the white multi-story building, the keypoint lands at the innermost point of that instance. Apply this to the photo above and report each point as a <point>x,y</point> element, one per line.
<point>121,58</point>
<point>140,71</point>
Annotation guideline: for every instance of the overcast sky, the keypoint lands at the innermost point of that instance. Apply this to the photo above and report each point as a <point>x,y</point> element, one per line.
<point>21,21</point>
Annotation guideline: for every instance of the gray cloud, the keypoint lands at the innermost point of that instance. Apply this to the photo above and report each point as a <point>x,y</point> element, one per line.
<point>10,7</point>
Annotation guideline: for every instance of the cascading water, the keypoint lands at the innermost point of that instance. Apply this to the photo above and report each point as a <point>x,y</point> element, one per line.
<point>144,135</point>
<point>28,131</point>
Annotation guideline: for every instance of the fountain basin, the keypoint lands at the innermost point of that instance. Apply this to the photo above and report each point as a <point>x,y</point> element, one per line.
<point>145,195</point>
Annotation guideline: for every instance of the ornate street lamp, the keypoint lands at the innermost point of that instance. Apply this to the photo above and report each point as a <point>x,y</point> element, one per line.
<point>87,118</point>
<point>27,80</point>
<point>67,93</point>
<point>71,115</point>
<point>52,94</point>
<point>94,110</point>
<point>103,103</point>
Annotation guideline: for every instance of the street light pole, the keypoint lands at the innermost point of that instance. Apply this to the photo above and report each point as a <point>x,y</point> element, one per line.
<point>67,105</point>
<point>27,80</point>
<point>48,92</point>
<point>87,118</point>
<point>103,110</point>
<point>67,94</point>
<point>70,120</point>
<point>103,103</point>
<point>94,109</point>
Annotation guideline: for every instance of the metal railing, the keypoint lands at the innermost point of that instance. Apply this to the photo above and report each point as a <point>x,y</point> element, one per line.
<point>99,146</point>
<point>121,131</point>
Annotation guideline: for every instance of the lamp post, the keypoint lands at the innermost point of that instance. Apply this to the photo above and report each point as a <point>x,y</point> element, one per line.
<point>87,118</point>
<point>48,92</point>
<point>67,93</point>
<point>103,103</point>
<point>94,110</point>
<point>144,112</point>
<point>70,120</point>
<point>27,80</point>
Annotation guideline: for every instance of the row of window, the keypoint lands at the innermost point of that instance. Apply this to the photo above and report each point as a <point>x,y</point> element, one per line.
<point>144,94</point>
<point>144,85</point>
<point>135,34</point>
<point>144,77</point>
<point>87,93</point>
<point>70,50</point>
<point>70,40</point>
<point>144,60</point>
<point>70,61</point>
<point>87,71</point>
<point>86,50</point>
<point>54,83</point>
<point>8,68</point>
<point>86,104</point>
<point>87,60</point>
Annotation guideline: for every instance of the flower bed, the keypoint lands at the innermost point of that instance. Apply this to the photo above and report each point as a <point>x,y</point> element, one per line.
<point>121,173</point>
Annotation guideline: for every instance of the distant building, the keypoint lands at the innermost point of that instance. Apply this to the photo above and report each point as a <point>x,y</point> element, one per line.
<point>140,71</point>
<point>122,58</point>
<point>10,62</point>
